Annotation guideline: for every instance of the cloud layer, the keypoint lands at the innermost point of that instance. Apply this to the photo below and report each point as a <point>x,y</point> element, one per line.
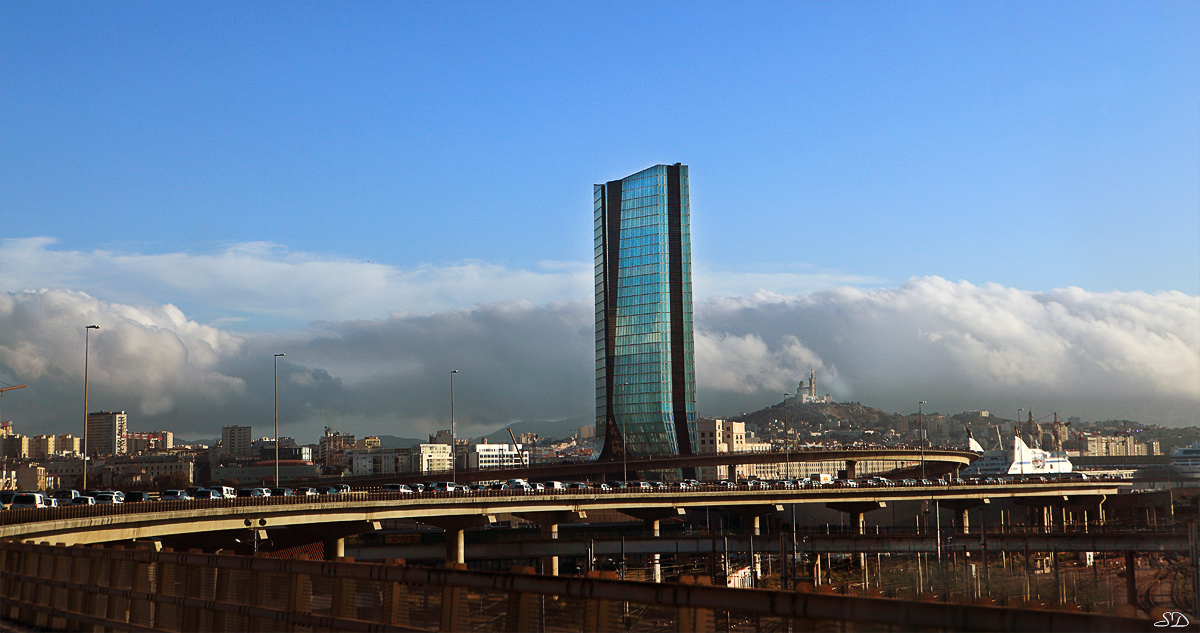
<point>957,345</point>
<point>259,286</point>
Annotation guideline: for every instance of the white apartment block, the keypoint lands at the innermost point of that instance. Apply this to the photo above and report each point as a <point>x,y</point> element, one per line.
<point>430,458</point>
<point>497,456</point>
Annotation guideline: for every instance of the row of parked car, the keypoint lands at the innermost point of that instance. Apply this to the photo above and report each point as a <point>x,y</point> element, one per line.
<point>61,498</point>
<point>521,485</point>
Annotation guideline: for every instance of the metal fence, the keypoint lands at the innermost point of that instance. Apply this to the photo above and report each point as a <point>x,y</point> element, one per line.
<point>147,589</point>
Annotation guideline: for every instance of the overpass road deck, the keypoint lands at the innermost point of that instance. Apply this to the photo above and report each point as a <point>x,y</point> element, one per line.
<point>96,524</point>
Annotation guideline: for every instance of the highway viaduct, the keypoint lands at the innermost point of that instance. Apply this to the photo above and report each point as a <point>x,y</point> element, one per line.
<point>330,518</point>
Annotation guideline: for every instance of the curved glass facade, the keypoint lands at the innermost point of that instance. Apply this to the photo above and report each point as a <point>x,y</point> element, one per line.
<point>645,370</point>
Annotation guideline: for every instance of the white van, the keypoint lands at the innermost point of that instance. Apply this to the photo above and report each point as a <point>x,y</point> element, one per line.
<point>29,500</point>
<point>555,485</point>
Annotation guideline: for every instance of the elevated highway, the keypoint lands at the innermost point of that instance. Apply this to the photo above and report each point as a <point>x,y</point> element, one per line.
<point>337,515</point>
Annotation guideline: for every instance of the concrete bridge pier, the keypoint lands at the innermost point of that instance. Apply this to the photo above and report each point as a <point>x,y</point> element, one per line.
<point>961,507</point>
<point>651,518</point>
<point>549,522</point>
<point>456,551</point>
<point>858,509</point>
<point>1046,511</point>
<point>331,536</point>
<point>756,512</point>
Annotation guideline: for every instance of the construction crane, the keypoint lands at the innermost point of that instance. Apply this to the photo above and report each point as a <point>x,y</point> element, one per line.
<point>3,389</point>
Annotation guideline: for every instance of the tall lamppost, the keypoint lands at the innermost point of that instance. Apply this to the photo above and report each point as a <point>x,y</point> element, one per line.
<point>277,483</point>
<point>921,431</point>
<point>86,345</point>
<point>787,449</point>
<point>453,433</point>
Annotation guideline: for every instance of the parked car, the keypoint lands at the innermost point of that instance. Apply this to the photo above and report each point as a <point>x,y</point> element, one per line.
<point>66,494</point>
<point>82,501</point>
<point>397,488</point>
<point>342,487</point>
<point>555,485</point>
<point>208,495</point>
<point>136,496</point>
<point>251,492</point>
<point>517,484</point>
<point>305,492</point>
<point>177,495</point>
<point>108,498</point>
<point>282,492</point>
<point>579,485</point>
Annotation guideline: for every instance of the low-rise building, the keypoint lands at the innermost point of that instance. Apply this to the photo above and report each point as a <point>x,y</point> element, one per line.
<point>427,458</point>
<point>484,455</point>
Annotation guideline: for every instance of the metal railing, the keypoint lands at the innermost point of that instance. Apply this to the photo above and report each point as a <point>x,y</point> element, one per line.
<point>147,589</point>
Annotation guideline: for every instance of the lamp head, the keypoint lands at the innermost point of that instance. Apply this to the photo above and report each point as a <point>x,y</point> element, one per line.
<point>92,327</point>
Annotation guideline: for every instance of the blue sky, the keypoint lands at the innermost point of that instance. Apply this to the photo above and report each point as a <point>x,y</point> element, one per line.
<point>244,162</point>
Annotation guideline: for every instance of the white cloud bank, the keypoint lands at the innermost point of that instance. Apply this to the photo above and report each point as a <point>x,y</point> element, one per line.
<point>259,285</point>
<point>957,345</point>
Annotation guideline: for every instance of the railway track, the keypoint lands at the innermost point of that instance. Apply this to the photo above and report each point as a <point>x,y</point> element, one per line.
<point>1169,591</point>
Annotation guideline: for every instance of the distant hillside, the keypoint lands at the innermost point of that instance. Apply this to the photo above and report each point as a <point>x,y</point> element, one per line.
<point>391,441</point>
<point>544,429</point>
<point>799,415</point>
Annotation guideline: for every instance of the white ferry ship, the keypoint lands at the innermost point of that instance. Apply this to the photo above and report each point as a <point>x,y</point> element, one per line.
<point>1020,460</point>
<point>1186,461</point>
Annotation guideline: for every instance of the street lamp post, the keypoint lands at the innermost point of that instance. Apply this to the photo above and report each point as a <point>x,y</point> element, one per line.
<point>921,431</point>
<point>86,345</point>
<point>277,483</point>
<point>453,433</point>
<point>787,448</point>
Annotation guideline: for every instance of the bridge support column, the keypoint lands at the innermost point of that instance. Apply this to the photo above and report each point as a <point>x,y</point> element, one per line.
<point>851,469</point>
<point>651,520</point>
<point>550,563</point>
<point>456,546</point>
<point>549,523</point>
<point>961,506</point>
<point>858,509</point>
<point>454,526</point>
<point>335,548</point>
<point>651,527</point>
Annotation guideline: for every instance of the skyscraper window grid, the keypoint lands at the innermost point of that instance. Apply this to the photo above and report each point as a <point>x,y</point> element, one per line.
<point>645,378</point>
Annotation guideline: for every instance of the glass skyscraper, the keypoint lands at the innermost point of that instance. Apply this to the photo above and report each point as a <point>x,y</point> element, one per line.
<point>645,368</point>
